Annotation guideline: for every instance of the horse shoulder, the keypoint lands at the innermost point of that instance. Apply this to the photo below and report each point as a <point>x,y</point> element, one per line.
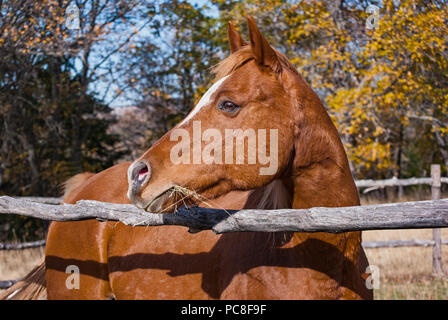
<point>84,244</point>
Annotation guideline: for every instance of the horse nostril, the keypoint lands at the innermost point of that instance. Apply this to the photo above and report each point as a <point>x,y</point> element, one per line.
<point>140,172</point>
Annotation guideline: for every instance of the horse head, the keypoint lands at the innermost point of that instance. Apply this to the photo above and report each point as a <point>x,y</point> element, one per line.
<point>258,122</point>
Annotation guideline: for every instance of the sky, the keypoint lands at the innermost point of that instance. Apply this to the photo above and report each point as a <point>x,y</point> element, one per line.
<point>124,99</point>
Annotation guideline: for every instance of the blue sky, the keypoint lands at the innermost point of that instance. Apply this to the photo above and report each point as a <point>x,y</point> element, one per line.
<point>123,100</point>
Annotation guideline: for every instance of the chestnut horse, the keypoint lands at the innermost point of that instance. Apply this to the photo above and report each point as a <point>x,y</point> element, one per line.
<point>256,88</point>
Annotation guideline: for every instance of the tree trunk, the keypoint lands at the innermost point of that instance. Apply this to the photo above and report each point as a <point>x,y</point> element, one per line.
<point>442,143</point>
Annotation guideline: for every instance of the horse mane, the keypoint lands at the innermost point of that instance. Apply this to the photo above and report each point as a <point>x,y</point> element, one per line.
<point>275,195</point>
<point>241,57</point>
<point>74,182</point>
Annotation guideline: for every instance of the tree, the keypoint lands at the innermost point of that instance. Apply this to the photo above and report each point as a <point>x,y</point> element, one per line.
<point>169,69</point>
<point>54,125</point>
<point>384,88</point>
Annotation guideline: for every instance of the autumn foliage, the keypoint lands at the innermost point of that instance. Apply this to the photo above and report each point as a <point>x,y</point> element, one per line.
<point>385,87</point>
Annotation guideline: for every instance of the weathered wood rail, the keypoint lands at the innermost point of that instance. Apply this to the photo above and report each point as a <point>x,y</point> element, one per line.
<point>394,182</point>
<point>47,200</point>
<point>22,245</point>
<point>5,284</point>
<point>404,215</point>
<point>401,243</point>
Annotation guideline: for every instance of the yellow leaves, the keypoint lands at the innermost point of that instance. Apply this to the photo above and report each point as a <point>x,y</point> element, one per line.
<point>378,131</point>
<point>389,98</point>
<point>371,154</point>
<point>394,75</point>
<point>405,120</point>
<point>158,93</point>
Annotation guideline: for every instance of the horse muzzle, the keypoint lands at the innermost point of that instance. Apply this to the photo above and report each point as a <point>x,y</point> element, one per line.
<point>141,193</point>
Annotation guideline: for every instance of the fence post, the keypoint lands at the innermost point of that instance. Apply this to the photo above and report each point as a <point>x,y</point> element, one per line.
<point>437,267</point>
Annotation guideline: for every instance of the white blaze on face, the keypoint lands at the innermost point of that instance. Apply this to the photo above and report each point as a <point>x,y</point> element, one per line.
<point>205,100</point>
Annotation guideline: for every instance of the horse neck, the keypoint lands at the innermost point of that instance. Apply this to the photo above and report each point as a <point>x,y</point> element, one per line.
<point>324,184</point>
<point>320,171</point>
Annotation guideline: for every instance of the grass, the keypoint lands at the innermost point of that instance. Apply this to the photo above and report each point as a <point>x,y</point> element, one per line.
<point>416,289</point>
<point>14,264</point>
<point>406,272</point>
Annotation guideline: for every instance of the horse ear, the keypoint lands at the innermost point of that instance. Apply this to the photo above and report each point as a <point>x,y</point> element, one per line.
<point>264,54</point>
<point>235,41</point>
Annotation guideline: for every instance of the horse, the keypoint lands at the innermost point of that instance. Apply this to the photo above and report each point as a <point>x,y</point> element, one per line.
<point>256,88</point>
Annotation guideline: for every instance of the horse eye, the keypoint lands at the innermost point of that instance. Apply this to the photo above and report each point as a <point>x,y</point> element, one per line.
<point>228,106</point>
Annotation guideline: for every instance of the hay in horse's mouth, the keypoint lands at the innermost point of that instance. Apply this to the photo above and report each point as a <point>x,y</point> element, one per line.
<point>175,191</point>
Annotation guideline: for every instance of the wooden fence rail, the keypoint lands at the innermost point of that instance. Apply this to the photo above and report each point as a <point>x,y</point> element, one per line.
<point>5,284</point>
<point>47,200</point>
<point>371,185</point>
<point>401,243</point>
<point>22,245</point>
<point>396,182</point>
<point>404,215</point>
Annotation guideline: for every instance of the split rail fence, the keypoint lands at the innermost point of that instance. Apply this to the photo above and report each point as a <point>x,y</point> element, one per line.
<point>403,215</point>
